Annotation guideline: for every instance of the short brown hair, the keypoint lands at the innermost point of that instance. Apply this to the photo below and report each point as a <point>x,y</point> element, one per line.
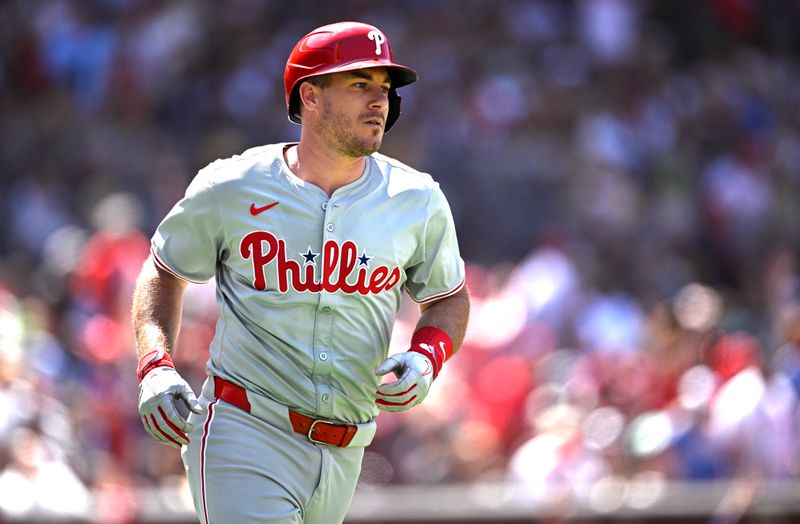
<point>321,81</point>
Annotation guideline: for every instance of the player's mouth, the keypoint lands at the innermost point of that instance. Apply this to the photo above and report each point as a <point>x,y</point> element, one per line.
<point>374,121</point>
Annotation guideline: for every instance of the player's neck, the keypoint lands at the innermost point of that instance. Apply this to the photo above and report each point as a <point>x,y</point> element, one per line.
<point>323,167</point>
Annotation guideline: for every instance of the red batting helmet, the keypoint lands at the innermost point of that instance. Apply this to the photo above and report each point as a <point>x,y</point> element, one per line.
<point>345,46</point>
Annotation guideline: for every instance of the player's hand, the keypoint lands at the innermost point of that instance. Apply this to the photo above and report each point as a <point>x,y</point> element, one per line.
<point>415,375</point>
<point>159,390</point>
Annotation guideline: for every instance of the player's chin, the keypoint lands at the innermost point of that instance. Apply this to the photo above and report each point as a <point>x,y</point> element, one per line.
<point>371,144</point>
<point>374,137</point>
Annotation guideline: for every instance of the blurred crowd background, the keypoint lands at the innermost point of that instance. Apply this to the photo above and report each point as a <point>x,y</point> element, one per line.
<point>624,177</point>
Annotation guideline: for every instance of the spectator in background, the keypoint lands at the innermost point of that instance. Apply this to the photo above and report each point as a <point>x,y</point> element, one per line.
<point>37,483</point>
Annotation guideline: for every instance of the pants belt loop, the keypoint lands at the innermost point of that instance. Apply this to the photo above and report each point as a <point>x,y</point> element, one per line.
<point>231,393</point>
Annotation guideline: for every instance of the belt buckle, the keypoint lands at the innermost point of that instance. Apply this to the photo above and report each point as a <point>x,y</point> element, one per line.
<point>311,430</point>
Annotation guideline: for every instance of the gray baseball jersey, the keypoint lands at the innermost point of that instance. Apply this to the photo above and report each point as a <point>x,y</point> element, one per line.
<point>309,286</point>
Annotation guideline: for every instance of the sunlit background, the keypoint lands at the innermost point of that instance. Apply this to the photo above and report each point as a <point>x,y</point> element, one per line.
<point>624,177</point>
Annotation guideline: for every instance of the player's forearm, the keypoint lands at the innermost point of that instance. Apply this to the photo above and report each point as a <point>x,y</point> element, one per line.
<point>449,314</point>
<point>157,306</point>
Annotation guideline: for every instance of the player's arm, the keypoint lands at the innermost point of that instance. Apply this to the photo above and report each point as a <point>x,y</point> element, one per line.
<point>437,271</point>
<point>157,307</point>
<point>438,335</point>
<point>448,314</point>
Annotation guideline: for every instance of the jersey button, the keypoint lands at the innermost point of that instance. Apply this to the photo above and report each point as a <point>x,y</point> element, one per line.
<point>323,356</point>
<point>326,309</point>
<point>329,227</point>
<point>326,397</point>
<point>324,206</point>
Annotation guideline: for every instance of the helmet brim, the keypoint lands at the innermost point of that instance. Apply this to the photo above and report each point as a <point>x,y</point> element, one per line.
<point>400,76</point>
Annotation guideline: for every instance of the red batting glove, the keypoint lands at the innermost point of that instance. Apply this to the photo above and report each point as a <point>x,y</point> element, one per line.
<point>435,344</point>
<point>416,369</point>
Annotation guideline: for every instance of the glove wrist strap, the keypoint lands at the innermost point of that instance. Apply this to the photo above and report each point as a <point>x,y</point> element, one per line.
<point>152,360</point>
<point>433,343</point>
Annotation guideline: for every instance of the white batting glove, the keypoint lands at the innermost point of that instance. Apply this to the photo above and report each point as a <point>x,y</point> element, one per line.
<point>159,389</point>
<point>415,373</point>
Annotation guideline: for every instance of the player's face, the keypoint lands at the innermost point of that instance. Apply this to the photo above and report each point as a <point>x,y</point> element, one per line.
<point>353,111</point>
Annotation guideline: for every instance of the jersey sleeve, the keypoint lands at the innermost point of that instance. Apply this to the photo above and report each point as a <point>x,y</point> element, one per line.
<point>187,243</point>
<point>440,272</point>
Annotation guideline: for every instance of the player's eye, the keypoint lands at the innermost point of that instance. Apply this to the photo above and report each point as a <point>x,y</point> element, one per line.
<point>385,89</point>
<point>360,85</point>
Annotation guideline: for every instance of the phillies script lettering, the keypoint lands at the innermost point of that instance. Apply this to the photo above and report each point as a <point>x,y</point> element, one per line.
<point>338,267</point>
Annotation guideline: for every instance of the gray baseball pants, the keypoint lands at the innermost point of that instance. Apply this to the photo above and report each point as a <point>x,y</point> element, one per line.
<point>251,467</point>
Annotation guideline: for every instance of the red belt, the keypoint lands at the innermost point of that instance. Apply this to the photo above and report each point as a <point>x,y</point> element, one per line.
<point>317,430</point>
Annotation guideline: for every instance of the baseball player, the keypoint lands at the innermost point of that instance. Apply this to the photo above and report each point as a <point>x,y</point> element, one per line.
<point>312,245</point>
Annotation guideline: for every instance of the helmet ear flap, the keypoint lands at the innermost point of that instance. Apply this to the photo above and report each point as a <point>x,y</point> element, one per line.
<point>294,106</point>
<point>394,109</point>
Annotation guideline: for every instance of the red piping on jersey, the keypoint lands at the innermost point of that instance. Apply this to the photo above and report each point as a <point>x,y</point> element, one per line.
<point>206,427</point>
<point>166,268</point>
<point>440,295</point>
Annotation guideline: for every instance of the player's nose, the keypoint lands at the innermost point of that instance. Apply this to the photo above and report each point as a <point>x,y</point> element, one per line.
<point>379,99</point>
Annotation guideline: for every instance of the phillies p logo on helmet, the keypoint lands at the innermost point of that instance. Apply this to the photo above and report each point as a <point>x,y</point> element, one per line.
<point>379,39</point>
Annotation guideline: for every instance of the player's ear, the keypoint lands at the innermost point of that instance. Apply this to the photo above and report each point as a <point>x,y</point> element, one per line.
<point>309,96</point>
